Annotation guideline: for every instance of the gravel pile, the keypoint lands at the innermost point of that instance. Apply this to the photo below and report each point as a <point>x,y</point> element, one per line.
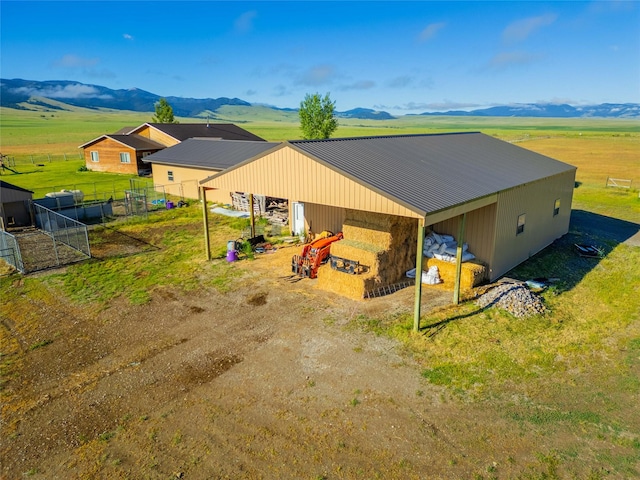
<point>515,298</point>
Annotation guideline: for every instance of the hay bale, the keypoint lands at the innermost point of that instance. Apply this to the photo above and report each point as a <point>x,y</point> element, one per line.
<point>471,274</point>
<point>385,244</point>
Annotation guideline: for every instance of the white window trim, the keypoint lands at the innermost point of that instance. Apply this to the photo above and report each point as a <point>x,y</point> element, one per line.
<point>95,156</point>
<point>127,155</point>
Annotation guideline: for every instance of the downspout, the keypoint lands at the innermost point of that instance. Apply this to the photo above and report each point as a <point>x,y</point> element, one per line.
<point>456,288</point>
<point>419,262</point>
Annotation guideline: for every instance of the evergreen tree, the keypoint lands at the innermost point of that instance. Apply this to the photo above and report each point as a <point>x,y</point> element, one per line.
<point>317,120</point>
<point>164,112</point>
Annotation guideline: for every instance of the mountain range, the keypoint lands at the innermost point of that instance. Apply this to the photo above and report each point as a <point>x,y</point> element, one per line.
<point>31,94</point>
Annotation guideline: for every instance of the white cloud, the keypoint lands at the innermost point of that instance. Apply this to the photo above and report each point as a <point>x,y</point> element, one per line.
<point>400,82</point>
<point>63,91</point>
<point>504,60</point>
<point>430,31</point>
<point>360,85</point>
<point>126,36</point>
<point>522,29</point>
<point>318,75</point>
<point>244,23</point>
<point>74,61</point>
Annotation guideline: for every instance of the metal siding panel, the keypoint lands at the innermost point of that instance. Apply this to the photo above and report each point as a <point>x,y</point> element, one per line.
<point>541,227</point>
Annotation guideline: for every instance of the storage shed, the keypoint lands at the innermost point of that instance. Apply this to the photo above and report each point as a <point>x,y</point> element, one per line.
<point>511,201</point>
<point>14,205</point>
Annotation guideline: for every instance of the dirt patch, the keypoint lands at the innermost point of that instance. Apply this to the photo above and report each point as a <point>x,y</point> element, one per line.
<point>269,380</point>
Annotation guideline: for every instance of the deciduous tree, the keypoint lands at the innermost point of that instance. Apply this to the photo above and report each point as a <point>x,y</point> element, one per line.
<point>317,118</point>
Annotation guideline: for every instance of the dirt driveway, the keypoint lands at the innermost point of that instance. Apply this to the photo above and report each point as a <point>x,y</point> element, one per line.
<point>266,381</point>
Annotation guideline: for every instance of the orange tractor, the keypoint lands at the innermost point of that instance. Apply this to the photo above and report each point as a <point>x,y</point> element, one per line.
<point>313,255</point>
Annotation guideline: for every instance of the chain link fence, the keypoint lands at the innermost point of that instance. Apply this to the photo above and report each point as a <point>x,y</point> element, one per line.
<point>10,251</point>
<point>63,229</point>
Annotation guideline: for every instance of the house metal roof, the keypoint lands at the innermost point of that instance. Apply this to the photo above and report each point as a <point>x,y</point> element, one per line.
<point>210,153</point>
<point>182,131</point>
<point>429,173</point>
<point>137,142</point>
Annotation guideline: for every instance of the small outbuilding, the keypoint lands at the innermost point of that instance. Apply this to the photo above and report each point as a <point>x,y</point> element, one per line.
<point>501,202</point>
<point>15,209</point>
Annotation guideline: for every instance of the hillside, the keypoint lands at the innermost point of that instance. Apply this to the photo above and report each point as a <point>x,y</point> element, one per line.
<point>68,95</point>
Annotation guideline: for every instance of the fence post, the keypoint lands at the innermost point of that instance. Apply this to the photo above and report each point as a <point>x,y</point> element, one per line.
<point>49,157</point>
<point>32,162</point>
<point>65,156</point>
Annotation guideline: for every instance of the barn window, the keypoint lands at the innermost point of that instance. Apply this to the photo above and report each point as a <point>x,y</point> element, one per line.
<point>521,221</point>
<point>95,156</point>
<point>125,157</point>
<point>556,207</point>
<point>170,175</point>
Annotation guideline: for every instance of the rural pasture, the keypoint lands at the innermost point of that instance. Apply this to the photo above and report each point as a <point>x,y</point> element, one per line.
<point>150,362</point>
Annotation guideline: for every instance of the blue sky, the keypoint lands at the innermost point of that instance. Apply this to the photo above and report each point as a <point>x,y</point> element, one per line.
<point>402,57</point>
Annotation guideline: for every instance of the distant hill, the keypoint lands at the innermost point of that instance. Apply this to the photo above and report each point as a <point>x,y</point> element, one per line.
<point>21,94</point>
<point>605,110</point>
<point>62,94</point>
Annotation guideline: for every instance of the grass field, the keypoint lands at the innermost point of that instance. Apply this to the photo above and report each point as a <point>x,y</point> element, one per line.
<point>570,378</point>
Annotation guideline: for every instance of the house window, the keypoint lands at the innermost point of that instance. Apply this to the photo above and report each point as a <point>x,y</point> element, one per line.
<point>170,175</point>
<point>521,220</point>
<point>556,207</point>
<point>125,157</point>
<point>95,157</point>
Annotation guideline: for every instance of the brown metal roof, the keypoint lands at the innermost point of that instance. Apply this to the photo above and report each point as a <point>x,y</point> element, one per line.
<point>210,153</point>
<point>137,142</point>
<point>226,131</point>
<point>433,172</point>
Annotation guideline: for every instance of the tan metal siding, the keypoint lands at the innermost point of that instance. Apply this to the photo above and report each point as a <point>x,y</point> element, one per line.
<point>536,201</point>
<point>185,183</point>
<point>319,218</point>
<point>289,174</point>
<point>479,231</point>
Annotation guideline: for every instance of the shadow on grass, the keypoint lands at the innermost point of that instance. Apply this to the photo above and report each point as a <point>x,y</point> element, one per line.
<point>561,260</point>
<point>432,329</point>
<point>116,243</point>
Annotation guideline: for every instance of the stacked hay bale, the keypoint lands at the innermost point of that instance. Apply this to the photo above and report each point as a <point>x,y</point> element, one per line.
<point>472,273</point>
<point>384,244</point>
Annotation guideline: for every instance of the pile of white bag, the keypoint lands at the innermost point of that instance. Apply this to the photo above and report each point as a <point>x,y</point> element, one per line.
<point>432,277</point>
<point>443,247</point>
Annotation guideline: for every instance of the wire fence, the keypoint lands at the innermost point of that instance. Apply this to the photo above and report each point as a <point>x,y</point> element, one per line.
<point>10,251</point>
<point>39,158</point>
<point>63,229</point>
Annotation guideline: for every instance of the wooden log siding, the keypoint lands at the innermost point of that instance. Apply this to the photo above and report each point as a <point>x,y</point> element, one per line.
<point>110,151</point>
<point>306,180</point>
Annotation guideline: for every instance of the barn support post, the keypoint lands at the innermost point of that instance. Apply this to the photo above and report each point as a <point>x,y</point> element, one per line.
<point>419,262</point>
<point>252,217</point>
<point>456,288</point>
<point>205,219</point>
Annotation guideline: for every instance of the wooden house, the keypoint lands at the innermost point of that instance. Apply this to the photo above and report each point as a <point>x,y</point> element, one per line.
<point>124,151</point>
